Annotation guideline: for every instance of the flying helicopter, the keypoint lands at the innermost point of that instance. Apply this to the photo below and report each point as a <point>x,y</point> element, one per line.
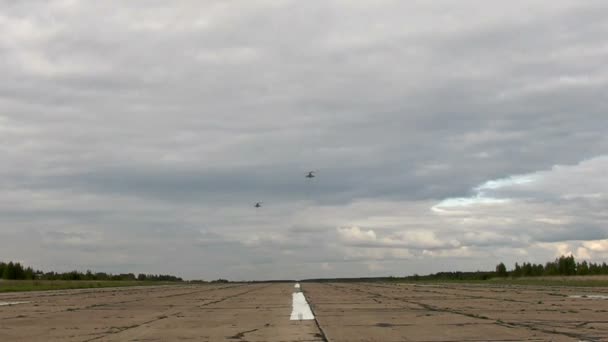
<point>258,204</point>
<point>311,174</point>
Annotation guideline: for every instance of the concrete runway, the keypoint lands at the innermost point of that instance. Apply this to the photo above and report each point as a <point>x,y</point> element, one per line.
<point>399,312</point>
<point>344,312</point>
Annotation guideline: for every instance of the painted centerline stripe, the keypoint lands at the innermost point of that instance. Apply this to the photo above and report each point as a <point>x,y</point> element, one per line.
<point>11,303</point>
<point>590,296</point>
<point>300,310</point>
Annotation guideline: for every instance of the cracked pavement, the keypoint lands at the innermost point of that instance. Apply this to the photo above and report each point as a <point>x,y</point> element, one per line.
<point>344,312</point>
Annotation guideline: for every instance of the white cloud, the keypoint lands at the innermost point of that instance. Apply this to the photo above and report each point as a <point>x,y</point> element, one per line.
<point>583,253</point>
<point>600,246</point>
<point>355,234</point>
<point>451,253</point>
<point>418,239</point>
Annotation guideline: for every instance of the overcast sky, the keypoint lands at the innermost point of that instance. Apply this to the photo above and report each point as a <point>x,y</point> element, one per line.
<point>137,136</point>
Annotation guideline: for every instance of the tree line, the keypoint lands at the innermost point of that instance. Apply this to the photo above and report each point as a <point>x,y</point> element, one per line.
<point>564,266</point>
<point>16,271</point>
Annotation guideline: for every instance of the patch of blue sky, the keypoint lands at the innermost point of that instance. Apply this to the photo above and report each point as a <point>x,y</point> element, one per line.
<point>468,201</point>
<point>506,182</point>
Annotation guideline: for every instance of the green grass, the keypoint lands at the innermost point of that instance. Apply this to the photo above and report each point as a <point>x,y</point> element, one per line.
<point>48,285</point>
<point>574,281</point>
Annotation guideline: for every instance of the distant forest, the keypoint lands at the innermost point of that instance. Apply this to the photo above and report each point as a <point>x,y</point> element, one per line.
<point>14,270</point>
<point>562,266</point>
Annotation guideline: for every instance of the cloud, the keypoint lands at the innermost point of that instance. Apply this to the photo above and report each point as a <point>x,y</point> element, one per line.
<point>356,235</point>
<point>401,239</point>
<point>600,246</point>
<point>144,134</point>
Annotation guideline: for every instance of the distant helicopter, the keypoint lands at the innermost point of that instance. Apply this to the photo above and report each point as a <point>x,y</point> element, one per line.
<point>311,174</point>
<point>258,204</point>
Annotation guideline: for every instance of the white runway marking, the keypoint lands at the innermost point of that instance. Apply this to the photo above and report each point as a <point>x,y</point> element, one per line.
<point>300,311</point>
<point>11,303</point>
<point>590,296</point>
